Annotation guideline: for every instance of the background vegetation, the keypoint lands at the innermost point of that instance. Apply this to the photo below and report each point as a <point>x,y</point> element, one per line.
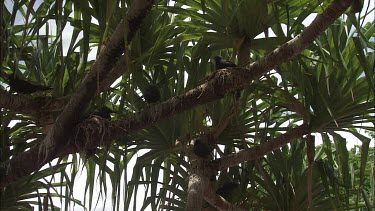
<point>329,87</point>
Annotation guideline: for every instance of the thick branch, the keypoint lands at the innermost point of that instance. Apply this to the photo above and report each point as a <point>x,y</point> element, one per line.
<point>105,62</point>
<point>26,162</point>
<point>249,155</point>
<point>263,149</point>
<point>27,104</point>
<point>56,139</point>
<point>228,80</point>
<point>215,87</point>
<point>30,105</point>
<point>198,181</point>
<point>200,188</point>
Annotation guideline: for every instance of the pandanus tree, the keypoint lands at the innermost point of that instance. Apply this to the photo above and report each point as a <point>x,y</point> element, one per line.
<point>192,135</point>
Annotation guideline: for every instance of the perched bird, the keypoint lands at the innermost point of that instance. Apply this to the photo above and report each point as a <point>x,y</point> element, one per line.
<point>151,94</point>
<point>201,149</point>
<point>227,189</point>
<point>104,112</point>
<point>220,63</point>
<point>357,6</point>
<point>24,87</point>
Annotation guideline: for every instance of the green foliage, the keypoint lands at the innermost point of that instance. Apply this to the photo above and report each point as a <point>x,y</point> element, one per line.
<point>329,86</point>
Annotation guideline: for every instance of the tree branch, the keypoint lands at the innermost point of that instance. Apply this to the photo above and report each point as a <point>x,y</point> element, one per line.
<point>56,139</point>
<point>220,83</point>
<point>263,149</point>
<point>27,104</point>
<point>198,182</point>
<point>105,62</point>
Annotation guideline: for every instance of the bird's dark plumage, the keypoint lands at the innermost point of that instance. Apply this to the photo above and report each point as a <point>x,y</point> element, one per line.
<point>201,149</point>
<point>220,63</point>
<point>357,6</point>
<point>227,189</point>
<point>24,87</point>
<point>104,112</point>
<point>151,94</point>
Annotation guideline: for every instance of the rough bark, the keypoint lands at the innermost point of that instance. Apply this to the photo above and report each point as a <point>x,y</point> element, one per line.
<point>30,105</point>
<point>105,62</point>
<point>220,83</point>
<point>57,138</point>
<point>198,181</point>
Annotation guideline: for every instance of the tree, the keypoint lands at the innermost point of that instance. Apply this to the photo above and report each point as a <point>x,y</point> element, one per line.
<point>261,119</point>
